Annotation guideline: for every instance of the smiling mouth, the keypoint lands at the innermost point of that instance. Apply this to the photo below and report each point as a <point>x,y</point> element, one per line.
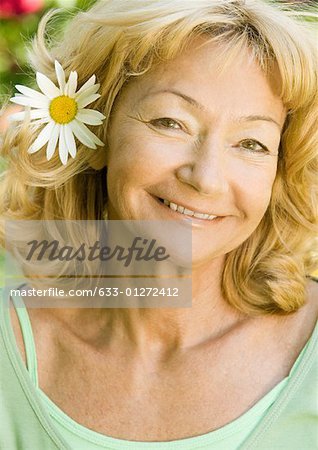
<point>187,212</point>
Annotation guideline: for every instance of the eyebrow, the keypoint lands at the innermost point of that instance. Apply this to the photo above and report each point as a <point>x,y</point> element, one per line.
<point>193,102</point>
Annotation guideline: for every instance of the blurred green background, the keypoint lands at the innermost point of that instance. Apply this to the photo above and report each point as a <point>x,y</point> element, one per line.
<point>18,23</point>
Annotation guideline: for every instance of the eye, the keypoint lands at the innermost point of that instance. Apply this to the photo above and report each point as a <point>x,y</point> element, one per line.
<point>166,122</point>
<point>253,146</point>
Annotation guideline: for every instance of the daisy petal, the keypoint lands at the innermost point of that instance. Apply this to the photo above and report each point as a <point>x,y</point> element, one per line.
<point>96,139</point>
<point>42,138</point>
<point>28,101</point>
<point>88,84</point>
<point>62,146</point>
<point>51,146</point>
<point>38,121</point>
<point>60,75</point>
<point>70,141</point>
<point>91,135</point>
<point>30,92</point>
<point>71,85</point>
<point>22,116</point>
<point>34,114</point>
<point>87,100</point>
<point>86,92</point>
<point>47,86</point>
<point>90,116</point>
<point>17,117</point>
<point>81,135</point>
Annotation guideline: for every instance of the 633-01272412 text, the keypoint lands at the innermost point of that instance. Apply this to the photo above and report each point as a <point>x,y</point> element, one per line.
<point>98,291</point>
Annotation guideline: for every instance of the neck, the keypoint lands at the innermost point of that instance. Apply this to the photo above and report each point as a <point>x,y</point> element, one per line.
<point>154,333</point>
<point>179,328</point>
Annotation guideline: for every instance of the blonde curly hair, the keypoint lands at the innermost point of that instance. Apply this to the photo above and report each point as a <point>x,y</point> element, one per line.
<point>123,39</point>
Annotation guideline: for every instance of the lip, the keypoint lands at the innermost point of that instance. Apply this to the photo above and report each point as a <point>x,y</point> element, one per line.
<point>188,219</point>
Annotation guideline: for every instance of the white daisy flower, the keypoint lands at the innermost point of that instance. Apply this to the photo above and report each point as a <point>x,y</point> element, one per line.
<point>63,110</point>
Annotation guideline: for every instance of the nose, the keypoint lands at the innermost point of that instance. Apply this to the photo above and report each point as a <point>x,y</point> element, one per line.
<point>206,171</point>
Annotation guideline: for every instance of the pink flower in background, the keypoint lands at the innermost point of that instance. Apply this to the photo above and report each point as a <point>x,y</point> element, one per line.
<point>11,8</point>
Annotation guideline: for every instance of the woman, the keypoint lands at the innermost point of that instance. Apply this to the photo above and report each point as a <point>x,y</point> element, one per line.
<point>210,109</point>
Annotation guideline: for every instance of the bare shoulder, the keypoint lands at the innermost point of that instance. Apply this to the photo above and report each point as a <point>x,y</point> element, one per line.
<point>305,319</point>
<point>312,292</point>
<point>312,298</point>
<point>44,329</point>
<point>17,332</point>
<point>311,305</point>
<point>294,330</point>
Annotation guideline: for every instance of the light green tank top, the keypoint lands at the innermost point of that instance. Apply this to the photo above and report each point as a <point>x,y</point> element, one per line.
<point>285,418</point>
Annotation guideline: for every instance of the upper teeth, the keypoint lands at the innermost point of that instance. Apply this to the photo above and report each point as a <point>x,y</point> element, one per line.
<point>188,212</point>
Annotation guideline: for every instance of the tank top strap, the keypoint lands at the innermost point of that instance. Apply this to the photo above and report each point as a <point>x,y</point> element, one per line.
<point>28,338</point>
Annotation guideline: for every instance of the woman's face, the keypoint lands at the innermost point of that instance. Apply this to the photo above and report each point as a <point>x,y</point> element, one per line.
<point>199,138</point>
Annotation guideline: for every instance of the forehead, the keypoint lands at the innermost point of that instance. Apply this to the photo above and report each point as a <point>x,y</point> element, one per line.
<point>215,78</point>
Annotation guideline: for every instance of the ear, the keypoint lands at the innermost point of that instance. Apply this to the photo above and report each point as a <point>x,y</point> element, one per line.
<point>99,160</point>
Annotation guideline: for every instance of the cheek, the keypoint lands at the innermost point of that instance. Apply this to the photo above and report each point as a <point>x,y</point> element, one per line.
<point>142,158</point>
<point>254,181</point>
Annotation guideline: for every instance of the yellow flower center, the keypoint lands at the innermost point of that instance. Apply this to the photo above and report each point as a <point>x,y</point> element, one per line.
<point>63,109</point>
